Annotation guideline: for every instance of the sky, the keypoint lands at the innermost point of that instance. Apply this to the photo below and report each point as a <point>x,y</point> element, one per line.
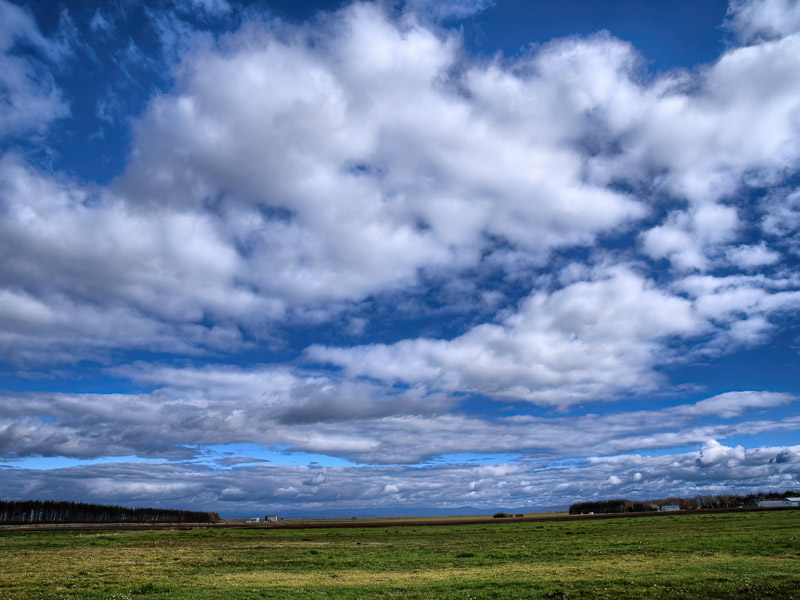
<point>400,257</point>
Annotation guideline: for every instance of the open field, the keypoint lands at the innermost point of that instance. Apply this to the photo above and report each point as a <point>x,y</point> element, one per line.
<point>729,555</point>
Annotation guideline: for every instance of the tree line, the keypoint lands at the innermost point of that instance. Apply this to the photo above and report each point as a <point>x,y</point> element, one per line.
<point>16,512</point>
<point>705,501</point>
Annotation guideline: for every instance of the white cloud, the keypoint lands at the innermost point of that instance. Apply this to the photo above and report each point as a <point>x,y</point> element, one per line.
<point>687,239</point>
<point>586,341</point>
<point>319,175</point>
<point>782,218</point>
<point>756,20</point>
<point>701,135</point>
<point>732,404</point>
<point>214,8</point>
<point>425,171</point>
<point>84,271</point>
<point>359,421</point>
<point>753,256</point>
<point>713,453</point>
<point>444,10</point>
<point>30,98</point>
<point>256,489</point>
<point>740,306</point>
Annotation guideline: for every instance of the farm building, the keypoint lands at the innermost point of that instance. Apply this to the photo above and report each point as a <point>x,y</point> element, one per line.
<point>271,519</point>
<point>252,520</point>
<point>774,503</point>
<point>670,507</point>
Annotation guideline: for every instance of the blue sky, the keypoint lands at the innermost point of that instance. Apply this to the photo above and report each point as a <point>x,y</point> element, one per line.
<point>401,256</point>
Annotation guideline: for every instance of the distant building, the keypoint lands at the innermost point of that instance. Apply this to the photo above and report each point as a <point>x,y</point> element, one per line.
<point>252,520</point>
<point>775,503</point>
<point>271,519</point>
<point>670,507</point>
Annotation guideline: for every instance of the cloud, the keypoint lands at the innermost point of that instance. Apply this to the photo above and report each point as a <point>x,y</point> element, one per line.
<point>757,20</point>
<point>446,10</point>
<point>345,129</point>
<point>732,404</point>
<point>30,98</point>
<point>365,423</point>
<point>83,271</point>
<point>586,341</point>
<point>688,239</point>
<point>258,489</point>
<point>214,8</point>
<point>713,453</point>
<point>319,176</point>
<point>100,25</point>
<point>753,256</point>
<point>702,135</point>
<point>234,461</point>
<point>781,218</point>
<point>225,209</point>
<point>739,306</point>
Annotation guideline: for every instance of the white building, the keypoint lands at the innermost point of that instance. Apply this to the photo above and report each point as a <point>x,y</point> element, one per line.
<point>774,503</point>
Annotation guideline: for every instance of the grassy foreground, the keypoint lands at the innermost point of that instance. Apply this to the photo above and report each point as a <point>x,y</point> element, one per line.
<point>747,555</point>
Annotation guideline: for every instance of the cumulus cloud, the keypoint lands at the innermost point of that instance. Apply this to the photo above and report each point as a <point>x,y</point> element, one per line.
<point>713,453</point>
<point>707,133</point>
<point>740,306</point>
<point>585,341</point>
<point>757,20</point>
<point>82,272</point>
<point>688,239</point>
<point>753,256</point>
<point>229,190</point>
<point>320,174</point>
<point>390,131</point>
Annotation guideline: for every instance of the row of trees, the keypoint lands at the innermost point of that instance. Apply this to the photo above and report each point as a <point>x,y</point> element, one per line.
<point>47,511</point>
<point>702,501</point>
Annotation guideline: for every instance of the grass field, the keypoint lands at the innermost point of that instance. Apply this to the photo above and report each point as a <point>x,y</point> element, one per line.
<point>747,555</point>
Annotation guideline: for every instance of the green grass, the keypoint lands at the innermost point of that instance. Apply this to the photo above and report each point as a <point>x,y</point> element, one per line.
<point>746,555</point>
